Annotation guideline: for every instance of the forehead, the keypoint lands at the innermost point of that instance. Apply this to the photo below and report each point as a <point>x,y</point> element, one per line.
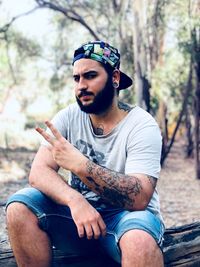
<point>85,64</point>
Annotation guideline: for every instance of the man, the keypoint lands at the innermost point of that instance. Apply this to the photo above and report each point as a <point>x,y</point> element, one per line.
<point>113,154</point>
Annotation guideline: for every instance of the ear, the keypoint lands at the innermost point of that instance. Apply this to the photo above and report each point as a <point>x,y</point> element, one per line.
<point>116,76</point>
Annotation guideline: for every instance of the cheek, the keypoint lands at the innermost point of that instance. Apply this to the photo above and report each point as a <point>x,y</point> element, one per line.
<point>75,88</point>
<point>99,84</point>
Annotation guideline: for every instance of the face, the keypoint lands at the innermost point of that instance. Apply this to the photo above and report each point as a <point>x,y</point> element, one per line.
<point>93,87</point>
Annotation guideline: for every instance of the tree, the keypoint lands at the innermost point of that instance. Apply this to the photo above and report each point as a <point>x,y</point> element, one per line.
<point>195,46</point>
<point>21,48</point>
<point>148,30</point>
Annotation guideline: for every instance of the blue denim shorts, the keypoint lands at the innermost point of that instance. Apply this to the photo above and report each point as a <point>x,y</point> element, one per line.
<point>56,220</point>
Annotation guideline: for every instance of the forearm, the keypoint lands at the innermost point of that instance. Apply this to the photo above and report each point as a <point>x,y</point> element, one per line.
<point>48,181</point>
<point>126,191</point>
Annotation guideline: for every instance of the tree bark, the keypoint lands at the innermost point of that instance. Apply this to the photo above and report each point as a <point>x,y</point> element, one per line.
<point>189,133</point>
<point>197,121</point>
<point>142,85</point>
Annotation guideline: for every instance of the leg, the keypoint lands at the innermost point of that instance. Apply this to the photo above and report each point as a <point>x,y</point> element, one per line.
<point>31,245</point>
<point>37,225</point>
<point>139,249</point>
<point>134,236</point>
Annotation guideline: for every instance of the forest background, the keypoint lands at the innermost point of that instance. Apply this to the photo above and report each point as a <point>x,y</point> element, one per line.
<point>159,41</point>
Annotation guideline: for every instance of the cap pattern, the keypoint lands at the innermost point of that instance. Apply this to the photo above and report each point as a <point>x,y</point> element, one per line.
<point>104,53</point>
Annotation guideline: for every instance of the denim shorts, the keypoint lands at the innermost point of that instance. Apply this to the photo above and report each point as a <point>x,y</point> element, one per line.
<point>56,220</point>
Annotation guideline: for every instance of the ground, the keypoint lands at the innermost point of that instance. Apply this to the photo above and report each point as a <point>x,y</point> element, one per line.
<point>177,187</point>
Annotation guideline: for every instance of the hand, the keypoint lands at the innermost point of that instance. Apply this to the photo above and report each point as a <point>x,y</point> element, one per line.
<point>87,219</point>
<point>64,153</point>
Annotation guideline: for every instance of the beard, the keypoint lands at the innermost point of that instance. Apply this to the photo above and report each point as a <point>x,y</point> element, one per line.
<point>102,101</point>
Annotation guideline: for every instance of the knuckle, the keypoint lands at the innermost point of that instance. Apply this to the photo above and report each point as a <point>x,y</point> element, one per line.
<point>98,216</point>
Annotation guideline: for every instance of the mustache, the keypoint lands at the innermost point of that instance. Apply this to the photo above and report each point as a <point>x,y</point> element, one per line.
<point>84,93</point>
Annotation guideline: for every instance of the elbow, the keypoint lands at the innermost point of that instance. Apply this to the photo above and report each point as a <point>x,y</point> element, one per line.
<point>32,179</point>
<point>138,205</point>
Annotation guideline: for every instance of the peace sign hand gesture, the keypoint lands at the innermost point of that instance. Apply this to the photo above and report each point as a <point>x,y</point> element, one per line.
<point>64,153</point>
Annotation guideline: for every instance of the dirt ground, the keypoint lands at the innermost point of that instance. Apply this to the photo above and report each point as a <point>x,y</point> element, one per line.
<point>177,187</point>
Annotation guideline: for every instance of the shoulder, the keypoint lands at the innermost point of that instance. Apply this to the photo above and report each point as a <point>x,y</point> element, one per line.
<point>68,111</point>
<point>143,125</point>
<point>142,118</point>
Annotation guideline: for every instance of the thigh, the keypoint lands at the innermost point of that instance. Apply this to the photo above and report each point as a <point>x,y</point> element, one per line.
<point>56,220</point>
<point>136,220</point>
<point>138,248</point>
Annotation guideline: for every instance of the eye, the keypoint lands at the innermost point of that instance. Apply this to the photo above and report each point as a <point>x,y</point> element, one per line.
<point>76,78</point>
<point>90,75</point>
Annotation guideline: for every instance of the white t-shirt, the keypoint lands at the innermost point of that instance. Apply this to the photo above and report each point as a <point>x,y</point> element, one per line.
<point>133,146</point>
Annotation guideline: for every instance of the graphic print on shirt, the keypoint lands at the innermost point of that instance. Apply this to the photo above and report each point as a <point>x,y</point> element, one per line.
<point>95,156</point>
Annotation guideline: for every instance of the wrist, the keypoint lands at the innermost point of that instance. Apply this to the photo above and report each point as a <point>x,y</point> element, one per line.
<point>80,165</point>
<point>74,199</point>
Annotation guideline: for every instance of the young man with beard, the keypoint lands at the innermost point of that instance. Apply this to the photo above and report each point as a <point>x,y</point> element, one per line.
<point>113,153</point>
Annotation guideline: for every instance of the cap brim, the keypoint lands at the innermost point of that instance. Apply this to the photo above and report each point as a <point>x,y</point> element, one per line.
<point>125,81</point>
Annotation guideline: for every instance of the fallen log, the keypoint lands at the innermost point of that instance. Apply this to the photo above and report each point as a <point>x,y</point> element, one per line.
<point>181,248</point>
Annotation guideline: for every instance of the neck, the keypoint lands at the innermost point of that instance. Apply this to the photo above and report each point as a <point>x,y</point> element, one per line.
<point>105,122</point>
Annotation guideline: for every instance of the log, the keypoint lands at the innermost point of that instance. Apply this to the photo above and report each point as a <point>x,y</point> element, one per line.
<point>181,248</point>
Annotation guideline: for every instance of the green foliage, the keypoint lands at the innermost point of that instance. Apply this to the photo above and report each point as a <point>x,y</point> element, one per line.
<point>56,83</point>
<point>169,79</point>
<point>26,48</point>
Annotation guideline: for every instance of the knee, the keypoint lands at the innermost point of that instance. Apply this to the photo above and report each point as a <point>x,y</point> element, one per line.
<point>17,214</point>
<point>135,239</point>
<point>139,244</point>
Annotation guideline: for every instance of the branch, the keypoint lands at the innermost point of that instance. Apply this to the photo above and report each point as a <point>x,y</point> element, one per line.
<point>69,13</point>
<point>6,26</point>
<point>9,61</point>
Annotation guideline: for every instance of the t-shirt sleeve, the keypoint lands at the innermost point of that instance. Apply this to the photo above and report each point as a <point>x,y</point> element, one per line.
<point>144,151</point>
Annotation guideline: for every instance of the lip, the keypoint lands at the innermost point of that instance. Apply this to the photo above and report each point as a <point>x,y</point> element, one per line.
<point>86,97</point>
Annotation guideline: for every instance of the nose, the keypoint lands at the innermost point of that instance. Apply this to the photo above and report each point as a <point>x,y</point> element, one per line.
<point>82,84</point>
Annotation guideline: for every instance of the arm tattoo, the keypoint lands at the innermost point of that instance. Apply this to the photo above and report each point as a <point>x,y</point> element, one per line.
<point>116,188</point>
<point>152,180</point>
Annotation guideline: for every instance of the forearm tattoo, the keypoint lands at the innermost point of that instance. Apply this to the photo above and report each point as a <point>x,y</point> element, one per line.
<point>117,188</point>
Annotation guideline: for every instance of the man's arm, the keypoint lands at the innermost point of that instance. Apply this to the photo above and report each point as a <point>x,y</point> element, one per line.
<point>45,178</point>
<point>132,191</point>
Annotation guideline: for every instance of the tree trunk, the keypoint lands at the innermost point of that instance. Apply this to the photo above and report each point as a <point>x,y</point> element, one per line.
<point>197,122</point>
<point>142,84</point>
<point>163,124</point>
<point>189,133</point>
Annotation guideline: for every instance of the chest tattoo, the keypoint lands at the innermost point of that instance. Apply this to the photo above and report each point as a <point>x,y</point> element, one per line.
<point>99,130</point>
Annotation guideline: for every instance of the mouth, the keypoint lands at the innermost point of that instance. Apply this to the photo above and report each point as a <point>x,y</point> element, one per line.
<point>85,96</point>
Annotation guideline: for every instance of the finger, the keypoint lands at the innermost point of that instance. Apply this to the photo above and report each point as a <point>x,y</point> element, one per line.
<point>89,232</point>
<point>96,231</point>
<point>80,230</point>
<point>54,131</point>
<point>46,136</point>
<point>102,227</point>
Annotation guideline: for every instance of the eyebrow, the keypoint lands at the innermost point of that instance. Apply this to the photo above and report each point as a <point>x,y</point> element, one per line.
<point>86,73</point>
